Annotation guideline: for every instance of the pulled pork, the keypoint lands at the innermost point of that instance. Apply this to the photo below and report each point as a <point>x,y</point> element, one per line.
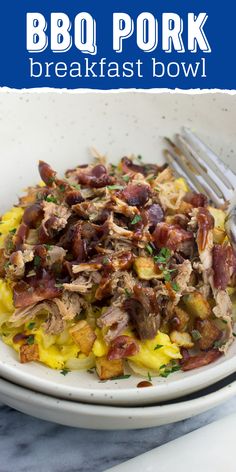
<point>129,250</point>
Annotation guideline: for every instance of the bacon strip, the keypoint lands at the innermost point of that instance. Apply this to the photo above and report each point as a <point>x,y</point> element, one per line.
<point>224,263</point>
<point>200,360</point>
<point>171,236</point>
<point>122,347</point>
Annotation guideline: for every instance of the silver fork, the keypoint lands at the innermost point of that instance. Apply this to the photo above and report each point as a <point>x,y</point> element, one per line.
<point>205,172</point>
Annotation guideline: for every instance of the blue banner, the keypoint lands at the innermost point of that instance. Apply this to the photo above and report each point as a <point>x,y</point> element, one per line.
<point>117,44</point>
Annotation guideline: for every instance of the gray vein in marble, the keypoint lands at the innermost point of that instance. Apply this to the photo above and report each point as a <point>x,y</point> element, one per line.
<point>28,444</point>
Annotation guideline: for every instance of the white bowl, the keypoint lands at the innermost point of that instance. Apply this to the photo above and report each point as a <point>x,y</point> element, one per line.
<point>59,128</point>
<point>83,415</point>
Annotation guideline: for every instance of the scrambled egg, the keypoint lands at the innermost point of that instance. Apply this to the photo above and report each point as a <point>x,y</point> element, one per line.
<point>9,221</point>
<point>154,353</point>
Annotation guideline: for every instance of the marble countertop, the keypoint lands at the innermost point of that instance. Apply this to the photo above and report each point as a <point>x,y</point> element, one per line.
<point>29,444</point>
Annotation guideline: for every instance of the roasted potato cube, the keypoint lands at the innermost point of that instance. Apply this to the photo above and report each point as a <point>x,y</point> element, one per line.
<point>180,319</point>
<point>108,369</point>
<point>29,353</point>
<point>209,333</point>
<point>181,339</point>
<point>219,229</point>
<point>83,336</point>
<point>146,268</point>
<point>197,305</point>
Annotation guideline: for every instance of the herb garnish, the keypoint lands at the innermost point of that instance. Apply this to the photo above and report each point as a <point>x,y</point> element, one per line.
<point>37,261</point>
<point>196,335</point>
<point>149,249</point>
<point>91,371</point>
<point>127,293</point>
<point>30,339</point>
<point>51,199</point>
<point>65,371</point>
<point>158,346</point>
<point>76,186</point>
<point>218,344</point>
<point>163,256</point>
<point>169,370</point>
<point>121,377</point>
<point>9,245</point>
<point>115,187</point>
<point>106,260</point>
<point>126,178</point>
<point>149,376</point>
<point>31,325</point>
<point>136,219</point>
<point>48,246</point>
<point>175,286</point>
<point>12,231</point>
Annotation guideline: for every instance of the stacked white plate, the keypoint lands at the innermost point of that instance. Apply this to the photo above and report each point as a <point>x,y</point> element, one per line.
<point>58,128</point>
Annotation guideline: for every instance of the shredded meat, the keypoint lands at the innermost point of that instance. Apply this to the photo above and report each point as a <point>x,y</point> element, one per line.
<point>182,279</point>
<point>18,259</point>
<point>128,237</point>
<point>116,320</point>
<point>144,312</point>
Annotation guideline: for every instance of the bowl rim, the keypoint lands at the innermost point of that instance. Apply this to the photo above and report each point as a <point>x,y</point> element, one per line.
<point>163,391</point>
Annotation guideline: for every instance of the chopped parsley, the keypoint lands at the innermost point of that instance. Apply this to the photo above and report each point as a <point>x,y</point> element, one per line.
<point>51,199</point>
<point>106,260</point>
<point>91,371</point>
<point>234,334</point>
<point>76,186</point>
<point>37,261</point>
<point>149,376</point>
<point>59,285</point>
<point>175,286</point>
<point>121,377</point>
<point>65,371</point>
<point>62,187</point>
<point>127,292</point>
<point>169,370</point>
<point>115,187</point>
<point>30,339</point>
<point>12,231</point>
<point>31,325</point>
<point>158,346</point>
<point>136,219</point>
<point>149,249</point>
<point>139,157</point>
<point>126,178</point>
<point>218,344</point>
<point>163,256</point>
<point>48,246</point>
<point>9,245</point>
<point>196,335</point>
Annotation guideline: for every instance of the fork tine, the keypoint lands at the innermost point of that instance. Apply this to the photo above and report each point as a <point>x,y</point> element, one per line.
<point>198,180</point>
<point>178,170</point>
<point>204,170</point>
<point>206,155</point>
